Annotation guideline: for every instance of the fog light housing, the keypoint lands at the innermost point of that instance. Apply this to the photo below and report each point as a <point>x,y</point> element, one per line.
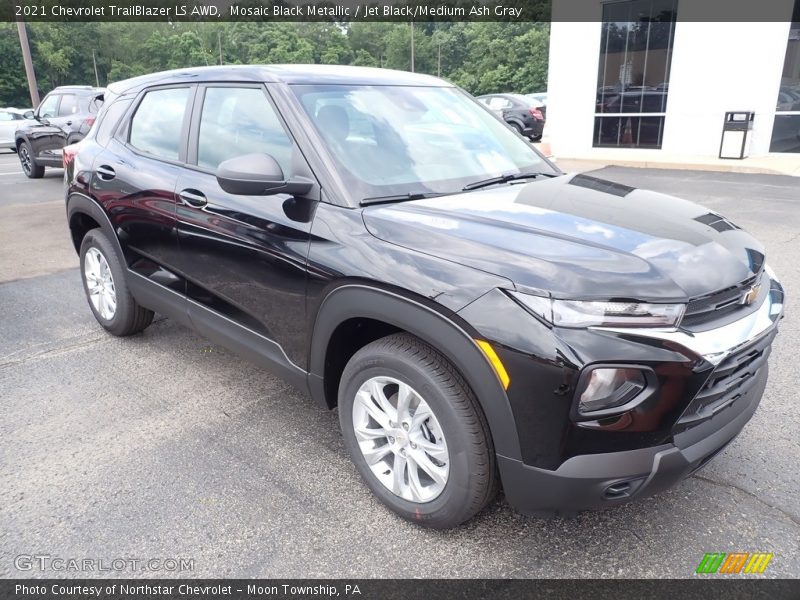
<point>609,387</point>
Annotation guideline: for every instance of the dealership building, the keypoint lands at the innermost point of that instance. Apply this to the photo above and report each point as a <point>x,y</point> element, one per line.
<point>643,79</point>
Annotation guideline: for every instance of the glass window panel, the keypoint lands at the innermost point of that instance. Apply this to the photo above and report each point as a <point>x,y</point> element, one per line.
<point>785,134</point>
<point>68,106</point>
<point>47,108</point>
<point>156,126</point>
<point>406,139</point>
<point>789,91</point>
<point>633,72</point>
<point>628,132</point>
<point>237,121</point>
<point>109,120</point>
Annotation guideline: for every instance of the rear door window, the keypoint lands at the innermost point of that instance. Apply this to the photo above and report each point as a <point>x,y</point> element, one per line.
<point>158,122</point>
<point>68,106</point>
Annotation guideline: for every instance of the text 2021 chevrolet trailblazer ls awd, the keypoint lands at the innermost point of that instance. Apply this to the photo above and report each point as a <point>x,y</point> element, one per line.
<point>388,245</point>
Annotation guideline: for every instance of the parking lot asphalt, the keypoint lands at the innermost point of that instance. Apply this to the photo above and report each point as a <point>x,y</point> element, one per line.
<point>164,445</point>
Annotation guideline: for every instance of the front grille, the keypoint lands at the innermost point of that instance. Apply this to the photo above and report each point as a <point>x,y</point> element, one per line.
<point>715,305</point>
<point>731,380</point>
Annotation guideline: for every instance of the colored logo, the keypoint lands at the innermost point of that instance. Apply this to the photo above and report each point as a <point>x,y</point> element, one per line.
<point>735,562</point>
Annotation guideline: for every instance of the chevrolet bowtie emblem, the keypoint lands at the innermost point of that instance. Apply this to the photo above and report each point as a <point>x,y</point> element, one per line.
<point>750,295</point>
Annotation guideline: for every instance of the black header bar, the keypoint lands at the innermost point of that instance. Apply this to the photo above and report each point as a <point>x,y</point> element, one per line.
<point>354,10</point>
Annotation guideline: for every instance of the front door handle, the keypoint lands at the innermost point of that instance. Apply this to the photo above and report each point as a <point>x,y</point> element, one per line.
<point>193,198</point>
<point>69,122</point>
<point>106,173</point>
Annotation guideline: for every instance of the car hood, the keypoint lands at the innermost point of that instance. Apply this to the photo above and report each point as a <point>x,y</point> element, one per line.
<point>579,237</point>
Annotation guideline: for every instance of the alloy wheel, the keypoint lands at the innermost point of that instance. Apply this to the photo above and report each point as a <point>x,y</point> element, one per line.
<point>25,158</point>
<point>401,439</point>
<point>100,283</point>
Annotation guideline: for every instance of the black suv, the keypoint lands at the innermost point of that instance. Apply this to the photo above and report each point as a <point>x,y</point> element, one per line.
<point>385,243</point>
<point>64,117</point>
<point>526,115</point>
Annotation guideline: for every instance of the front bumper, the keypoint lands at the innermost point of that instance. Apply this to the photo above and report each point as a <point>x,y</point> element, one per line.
<point>653,447</point>
<point>594,481</point>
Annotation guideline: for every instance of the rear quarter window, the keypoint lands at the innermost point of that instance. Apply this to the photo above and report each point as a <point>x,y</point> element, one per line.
<point>109,121</point>
<point>95,104</point>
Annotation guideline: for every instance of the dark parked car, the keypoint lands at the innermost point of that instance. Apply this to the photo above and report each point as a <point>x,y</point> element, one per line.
<point>391,248</point>
<point>525,114</point>
<point>64,117</point>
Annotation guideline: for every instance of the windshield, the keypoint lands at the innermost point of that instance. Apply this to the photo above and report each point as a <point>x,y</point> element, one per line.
<point>398,140</point>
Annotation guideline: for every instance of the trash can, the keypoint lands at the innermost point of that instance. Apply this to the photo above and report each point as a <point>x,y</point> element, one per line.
<point>736,134</point>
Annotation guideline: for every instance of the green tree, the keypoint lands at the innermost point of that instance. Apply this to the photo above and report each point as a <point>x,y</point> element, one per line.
<point>482,57</point>
<point>13,86</point>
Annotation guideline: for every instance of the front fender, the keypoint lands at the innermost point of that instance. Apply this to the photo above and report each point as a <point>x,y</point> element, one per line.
<point>450,336</point>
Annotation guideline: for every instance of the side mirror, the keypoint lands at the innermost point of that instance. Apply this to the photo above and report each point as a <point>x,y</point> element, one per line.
<point>28,114</point>
<point>258,175</point>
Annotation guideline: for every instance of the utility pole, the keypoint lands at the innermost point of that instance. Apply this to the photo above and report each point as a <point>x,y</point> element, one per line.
<point>94,62</point>
<point>219,42</point>
<point>412,46</point>
<point>26,58</point>
<point>439,62</point>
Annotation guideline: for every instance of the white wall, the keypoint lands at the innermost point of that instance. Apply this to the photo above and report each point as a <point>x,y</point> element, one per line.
<point>572,86</point>
<point>718,67</point>
<point>715,67</point>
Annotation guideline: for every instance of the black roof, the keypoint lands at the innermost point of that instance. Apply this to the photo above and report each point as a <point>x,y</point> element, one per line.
<point>291,74</point>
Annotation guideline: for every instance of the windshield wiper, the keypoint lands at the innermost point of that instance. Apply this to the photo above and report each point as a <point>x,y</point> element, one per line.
<point>399,198</point>
<point>504,179</point>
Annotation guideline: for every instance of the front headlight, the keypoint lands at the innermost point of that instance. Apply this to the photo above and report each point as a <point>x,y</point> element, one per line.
<point>580,313</point>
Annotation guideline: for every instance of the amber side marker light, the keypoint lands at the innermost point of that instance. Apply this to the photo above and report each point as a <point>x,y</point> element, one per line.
<point>497,365</point>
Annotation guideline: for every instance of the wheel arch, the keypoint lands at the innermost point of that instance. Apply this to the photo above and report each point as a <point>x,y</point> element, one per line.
<point>84,214</point>
<point>515,121</point>
<point>19,140</point>
<point>397,313</point>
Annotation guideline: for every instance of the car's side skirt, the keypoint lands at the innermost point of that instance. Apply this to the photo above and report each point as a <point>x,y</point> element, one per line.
<point>262,351</point>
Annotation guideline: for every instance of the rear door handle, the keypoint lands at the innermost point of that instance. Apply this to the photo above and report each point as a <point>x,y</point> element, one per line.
<point>193,197</point>
<point>69,122</point>
<point>106,173</point>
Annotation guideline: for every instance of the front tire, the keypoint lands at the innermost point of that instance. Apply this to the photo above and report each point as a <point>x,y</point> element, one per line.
<point>28,163</point>
<point>106,289</point>
<point>416,432</point>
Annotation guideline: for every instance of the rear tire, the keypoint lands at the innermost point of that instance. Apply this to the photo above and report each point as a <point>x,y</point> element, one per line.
<point>449,474</point>
<point>106,289</point>
<point>28,163</point>
<point>517,127</point>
